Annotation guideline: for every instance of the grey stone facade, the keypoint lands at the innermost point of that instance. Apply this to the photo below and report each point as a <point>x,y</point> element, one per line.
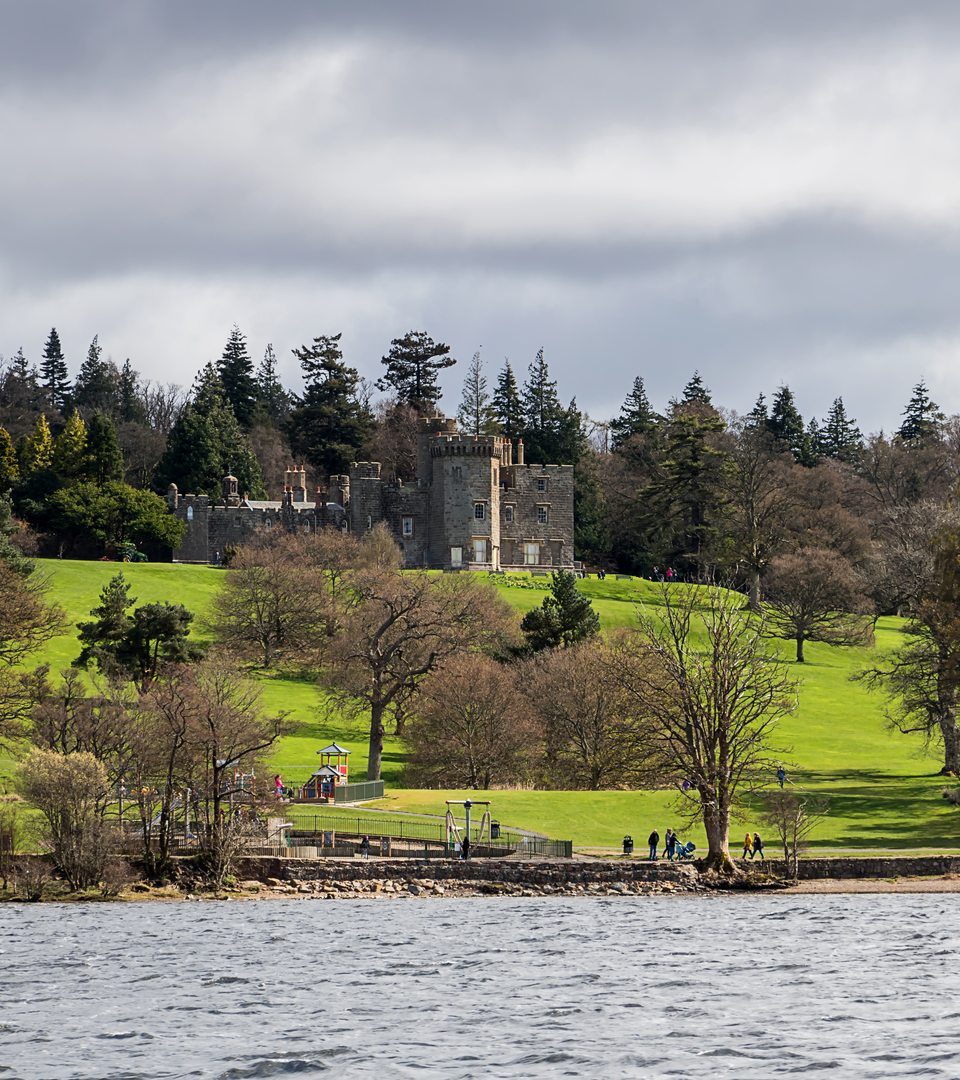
<point>475,504</point>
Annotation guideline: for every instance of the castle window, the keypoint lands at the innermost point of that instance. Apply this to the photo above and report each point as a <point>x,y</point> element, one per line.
<point>407,526</point>
<point>457,472</point>
<point>541,483</point>
<point>479,511</point>
<point>543,515</point>
<point>508,514</point>
<point>479,550</point>
<point>189,513</point>
<point>531,554</point>
<point>369,522</point>
<point>456,556</point>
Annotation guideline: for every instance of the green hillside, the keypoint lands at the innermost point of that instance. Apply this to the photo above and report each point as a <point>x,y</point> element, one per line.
<point>883,787</point>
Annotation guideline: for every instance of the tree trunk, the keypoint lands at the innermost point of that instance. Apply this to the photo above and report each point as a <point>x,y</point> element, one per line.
<point>716,822</point>
<point>754,596</point>
<point>799,648</point>
<point>951,744</point>
<point>375,755</point>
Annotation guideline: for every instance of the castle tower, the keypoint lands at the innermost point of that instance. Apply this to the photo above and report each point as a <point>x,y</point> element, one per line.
<point>229,489</point>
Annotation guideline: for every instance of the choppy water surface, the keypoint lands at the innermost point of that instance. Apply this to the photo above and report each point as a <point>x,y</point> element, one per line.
<point>858,986</point>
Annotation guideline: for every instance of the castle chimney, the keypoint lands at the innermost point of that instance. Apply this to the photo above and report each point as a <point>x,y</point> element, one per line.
<point>520,460</point>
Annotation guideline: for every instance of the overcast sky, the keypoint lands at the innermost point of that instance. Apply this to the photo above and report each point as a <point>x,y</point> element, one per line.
<point>767,192</point>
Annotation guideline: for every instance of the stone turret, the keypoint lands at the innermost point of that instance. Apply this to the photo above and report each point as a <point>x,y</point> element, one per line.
<point>230,490</point>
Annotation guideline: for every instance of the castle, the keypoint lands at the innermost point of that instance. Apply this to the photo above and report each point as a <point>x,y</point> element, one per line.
<point>475,504</point>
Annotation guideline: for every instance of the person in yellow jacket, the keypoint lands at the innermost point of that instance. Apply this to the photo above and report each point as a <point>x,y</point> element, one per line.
<point>747,845</point>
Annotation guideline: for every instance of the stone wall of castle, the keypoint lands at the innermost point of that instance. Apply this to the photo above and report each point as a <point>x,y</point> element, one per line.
<point>470,506</point>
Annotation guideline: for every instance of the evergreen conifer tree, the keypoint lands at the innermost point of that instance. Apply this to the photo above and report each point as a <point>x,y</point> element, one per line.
<point>96,385</point>
<point>330,423</point>
<point>413,364</point>
<point>696,392</point>
<point>236,376</point>
<point>922,419</point>
<point>758,418</point>
<point>476,409</point>
<point>130,408</point>
<point>273,402</point>
<point>506,404</point>
<point>54,374</point>
<point>70,448</point>
<point>21,386</point>
<point>565,617</point>
<point>840,437</point>
<point>543,414</point>
<point>37,452</point>
<point>206,443</point>
<point>636,416</point>
<point>786,423</point>
<point>811,449</point>
<point>9,469</point>
<point>103,460</point>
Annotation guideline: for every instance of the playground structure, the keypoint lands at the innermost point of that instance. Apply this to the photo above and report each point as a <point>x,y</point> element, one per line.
<point>332,773</point>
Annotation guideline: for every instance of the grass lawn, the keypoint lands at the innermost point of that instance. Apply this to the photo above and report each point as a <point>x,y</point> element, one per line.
<point>883,789</point>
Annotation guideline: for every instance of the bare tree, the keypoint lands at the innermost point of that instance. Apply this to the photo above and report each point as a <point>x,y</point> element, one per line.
<point>396,628</point>
<point>228,734</point>
<point>70,791</point>
<point>27,621</point>
<point>472,726</point>
<point>815,594</point>
<point>703,678</point>
<point>792,817</point>
<point>762,498</point>
<point>271,604</point>
<point>162,404</point>
<point>594,737</point>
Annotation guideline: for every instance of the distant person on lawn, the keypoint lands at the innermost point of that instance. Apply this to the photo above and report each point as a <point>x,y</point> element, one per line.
<point>747,845</point>
<point>757,847</point>
<point>654,841</point>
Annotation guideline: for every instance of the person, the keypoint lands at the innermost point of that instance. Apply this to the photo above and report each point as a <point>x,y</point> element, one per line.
<point>747,845</point>
<point>465,850</point>
<point>781,775</point>
<point>278,786</point>
<point>653,841</point>
<point>365,848</point>
<point>669,844</point>
<point>757,847</point>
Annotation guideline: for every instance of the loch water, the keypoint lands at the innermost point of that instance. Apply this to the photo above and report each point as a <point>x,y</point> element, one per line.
<point>721,986</point>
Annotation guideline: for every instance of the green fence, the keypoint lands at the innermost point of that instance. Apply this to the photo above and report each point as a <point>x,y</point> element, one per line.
<point>348,793</point>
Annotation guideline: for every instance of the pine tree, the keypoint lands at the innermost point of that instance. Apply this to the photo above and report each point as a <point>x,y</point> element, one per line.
<point>130,408</point>
<point>206,443</point>
<point>104,460</point>
<point>786,423</point>
<point>21,386</point>
<point>413,364</point>
<point>236,375</point>
<point>811,448</point>
<point>476,410</point>
<point>758,418</point>
<point>96,386</point>
<point>696,392</point>
<point>565,617</point>
<point>841,438</point>
<point>922,419</point>
<point>506,404</point>
<point>543,413</point>
<point>9,469</point>
<point>330,423</point>
<point>70,448</point>
<point>636,416</point>
<point>37,452</point>
<point>273,402</point>
<point>54,373</point>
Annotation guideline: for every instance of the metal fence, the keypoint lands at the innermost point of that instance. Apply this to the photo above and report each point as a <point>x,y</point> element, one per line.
<point>360,792</point>
<point>394,826</point>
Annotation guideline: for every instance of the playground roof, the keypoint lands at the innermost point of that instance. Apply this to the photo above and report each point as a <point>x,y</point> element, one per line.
<point>333,748</point>
<point>326,770</point>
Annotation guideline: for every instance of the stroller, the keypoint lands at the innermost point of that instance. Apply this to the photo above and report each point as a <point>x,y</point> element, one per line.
<point>682,852</point>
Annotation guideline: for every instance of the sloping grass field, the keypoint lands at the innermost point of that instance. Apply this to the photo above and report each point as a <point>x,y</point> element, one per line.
<point>883,789</point>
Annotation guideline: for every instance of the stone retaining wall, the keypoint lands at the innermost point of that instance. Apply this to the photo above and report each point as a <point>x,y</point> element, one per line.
<point>878,867</point>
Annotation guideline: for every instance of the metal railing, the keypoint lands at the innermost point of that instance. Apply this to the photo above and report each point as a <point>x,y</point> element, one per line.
<point>359,792</point>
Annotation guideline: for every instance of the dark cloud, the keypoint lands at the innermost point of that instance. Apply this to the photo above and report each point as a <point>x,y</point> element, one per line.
<point>763,192</point>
